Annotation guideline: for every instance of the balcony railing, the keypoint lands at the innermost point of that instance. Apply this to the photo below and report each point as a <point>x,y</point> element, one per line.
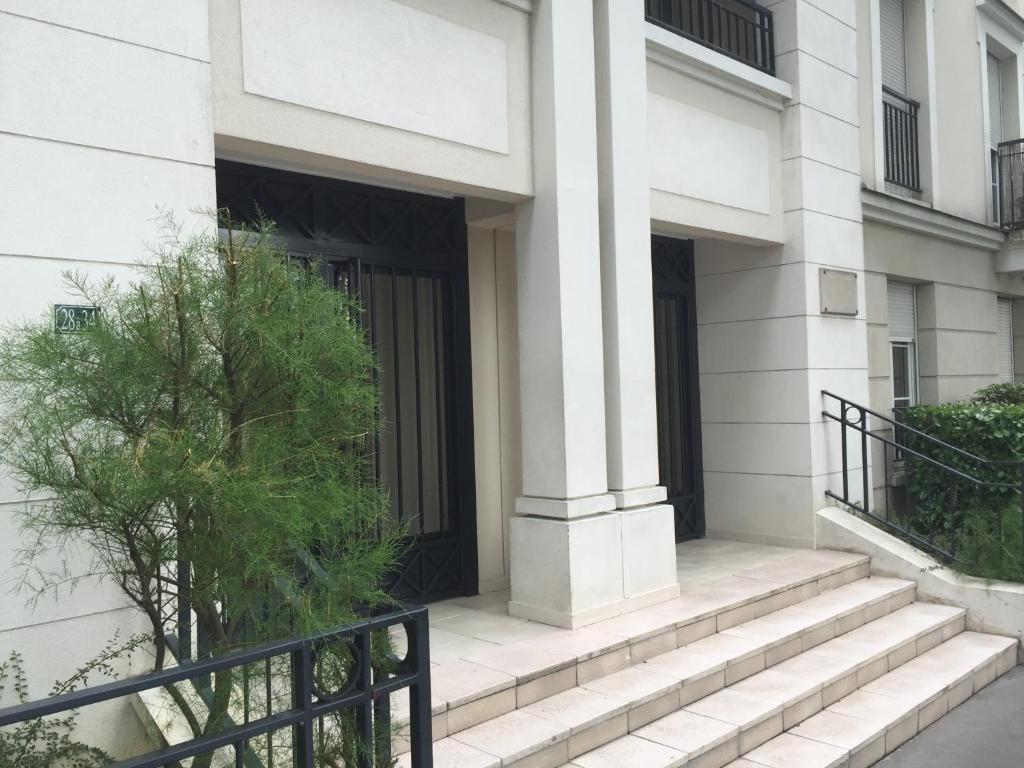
<point>740,29</point>
<point>1011,184</point>
<point>899,129</point>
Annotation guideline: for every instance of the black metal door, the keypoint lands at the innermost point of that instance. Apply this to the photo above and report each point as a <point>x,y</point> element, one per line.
<point>404,256</point>
<point>675,349</point>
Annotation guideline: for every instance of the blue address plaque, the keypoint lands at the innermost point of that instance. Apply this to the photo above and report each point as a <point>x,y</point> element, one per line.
<point>74,318</point>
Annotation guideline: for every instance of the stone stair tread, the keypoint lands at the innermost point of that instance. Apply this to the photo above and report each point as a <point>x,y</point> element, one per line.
<point>873,721</point>
<point>578,708</point>
<point>788,751</point>
<point>494,669</point>
<point>754,709</point>
<point>458,682</point>
<point>725,659</point>
<point>634,684</point>
<point>524,661</point>
<point>513,736</point>
<point>629,751</point>
<point>455,754</point>
<point>689,732</point>
<point>767,703</point>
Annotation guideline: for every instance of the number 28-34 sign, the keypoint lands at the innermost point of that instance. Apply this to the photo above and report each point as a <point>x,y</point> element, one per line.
<point>73,318</point>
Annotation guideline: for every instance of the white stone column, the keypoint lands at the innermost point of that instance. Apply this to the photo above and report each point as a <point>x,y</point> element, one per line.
<point>648,528</point>
<point>566,539</point>
<point>816,52</point>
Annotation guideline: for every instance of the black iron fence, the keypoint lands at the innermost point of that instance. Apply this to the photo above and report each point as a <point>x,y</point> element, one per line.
<point>740,29</point>
<point>1010,184</point>
<point>899,130</point>
<point>930,511</point>
<point>316,700</point>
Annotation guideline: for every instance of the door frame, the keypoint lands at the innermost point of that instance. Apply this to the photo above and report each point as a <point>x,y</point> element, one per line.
<point>311,215</point>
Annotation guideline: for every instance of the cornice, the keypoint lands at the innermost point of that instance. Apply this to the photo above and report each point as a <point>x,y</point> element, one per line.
<point>1004,16</point>
<point>682,55</point>
<point>886,209</point>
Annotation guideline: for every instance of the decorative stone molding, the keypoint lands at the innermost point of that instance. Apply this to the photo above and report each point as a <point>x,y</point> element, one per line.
<point>682,55</point>
<point>918,217</point>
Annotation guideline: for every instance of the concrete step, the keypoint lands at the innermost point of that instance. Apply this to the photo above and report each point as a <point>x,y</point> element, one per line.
<point>470,691</point>
<point>716,729</point>
<point>551,729</point>
<point>860,729</point>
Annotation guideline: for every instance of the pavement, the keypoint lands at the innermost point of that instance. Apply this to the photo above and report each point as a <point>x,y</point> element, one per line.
<point>986,731</point>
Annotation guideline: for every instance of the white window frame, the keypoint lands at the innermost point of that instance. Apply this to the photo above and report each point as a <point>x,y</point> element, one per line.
<point>924,93</point>
<point>913,369</point>
<point>1013,363</point>
<point>1007,31</point>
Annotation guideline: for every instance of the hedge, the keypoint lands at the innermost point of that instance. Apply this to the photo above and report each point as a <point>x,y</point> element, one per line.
<point>951,509</point>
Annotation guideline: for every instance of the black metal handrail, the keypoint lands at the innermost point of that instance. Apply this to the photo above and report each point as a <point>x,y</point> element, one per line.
<point>366,689</point>
<point>1010,168</point>
<point>740,29</point>
<point>902,448</point>
<point>899,130</point>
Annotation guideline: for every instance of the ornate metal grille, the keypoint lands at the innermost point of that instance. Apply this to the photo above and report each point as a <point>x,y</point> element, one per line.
<point>404,256</point>
<point>678,391</point>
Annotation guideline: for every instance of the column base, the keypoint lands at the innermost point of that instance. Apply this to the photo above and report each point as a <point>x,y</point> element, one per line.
<point>567,572</point>
<point>565,509</point>
<point>649,554</point>
<point>639,497</point>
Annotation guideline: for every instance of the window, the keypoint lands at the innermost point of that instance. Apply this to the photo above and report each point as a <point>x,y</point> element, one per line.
<point>899,111</point>
<point>995,127</point>
<point>1004,333</point>
<point>903,343</point>
<point>894,46</point>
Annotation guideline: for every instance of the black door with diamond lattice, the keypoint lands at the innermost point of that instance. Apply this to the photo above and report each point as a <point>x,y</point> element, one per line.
<point>675,348</point>
<point>404,256</point>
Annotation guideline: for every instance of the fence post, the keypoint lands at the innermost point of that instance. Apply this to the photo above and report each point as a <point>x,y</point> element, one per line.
<point>419,693</point>
<point>1021,501</point>
<point>302,699</point>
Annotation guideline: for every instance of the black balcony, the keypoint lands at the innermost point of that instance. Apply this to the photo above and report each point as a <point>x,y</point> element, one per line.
<point>1010,184</point>
<point>899,129</point>
<point>738,28</point>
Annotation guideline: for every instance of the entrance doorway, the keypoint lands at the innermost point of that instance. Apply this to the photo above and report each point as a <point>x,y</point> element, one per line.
<point>675,347</point>
<point>404,256</point>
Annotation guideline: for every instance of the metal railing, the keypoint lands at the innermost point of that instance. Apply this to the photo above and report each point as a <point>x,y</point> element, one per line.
<point>740,29</point>
<point>256,733</point>
<point>905,445</point>
<point>1011,184</point>
<point>899,130</point>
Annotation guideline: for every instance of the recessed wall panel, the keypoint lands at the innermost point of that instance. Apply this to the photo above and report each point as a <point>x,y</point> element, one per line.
<point>382,62</point>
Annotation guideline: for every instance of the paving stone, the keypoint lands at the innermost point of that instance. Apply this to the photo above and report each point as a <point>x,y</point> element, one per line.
<point>584,643</point>
<point>843,731</point>
<point>635,685</point>
<point>733,707</point>
<point>449,753</point>
<point>789,751</point>
<point>524,661</point>
<point>632,751</point>
<point>459,682</point>
<point>513,736</point>
<point>689,732</point>
<point>684,665</point>
<point>578,708</point>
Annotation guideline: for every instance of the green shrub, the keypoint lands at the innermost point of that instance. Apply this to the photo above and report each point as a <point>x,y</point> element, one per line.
<point>980,521</point>
<point>1000,394</point>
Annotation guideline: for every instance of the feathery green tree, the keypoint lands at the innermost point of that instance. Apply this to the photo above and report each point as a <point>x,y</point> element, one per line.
<point>218,413</point>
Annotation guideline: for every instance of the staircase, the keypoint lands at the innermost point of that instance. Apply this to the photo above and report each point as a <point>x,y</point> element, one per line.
<point>809,661</point>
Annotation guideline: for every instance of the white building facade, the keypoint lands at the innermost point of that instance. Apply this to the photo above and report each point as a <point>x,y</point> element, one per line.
<point>611,253</point>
